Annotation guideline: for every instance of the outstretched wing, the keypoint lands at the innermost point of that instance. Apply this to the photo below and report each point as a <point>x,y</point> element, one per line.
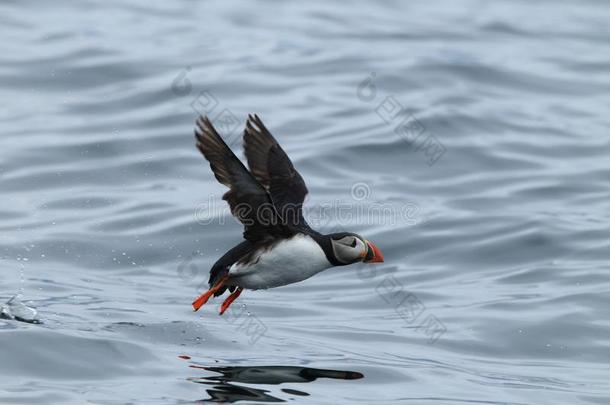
<point>270,165</point>
<point>248,200</point>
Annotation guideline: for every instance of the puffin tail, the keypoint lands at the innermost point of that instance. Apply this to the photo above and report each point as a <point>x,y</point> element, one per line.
<point>216,275</point>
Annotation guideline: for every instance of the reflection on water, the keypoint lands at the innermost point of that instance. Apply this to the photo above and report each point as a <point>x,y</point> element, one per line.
<point>222,388</point>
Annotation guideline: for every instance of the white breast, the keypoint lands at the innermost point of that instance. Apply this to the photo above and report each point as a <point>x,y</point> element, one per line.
<point>289,261</point>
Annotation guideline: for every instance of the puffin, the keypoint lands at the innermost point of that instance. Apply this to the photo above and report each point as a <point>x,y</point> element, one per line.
<point>279,246</point>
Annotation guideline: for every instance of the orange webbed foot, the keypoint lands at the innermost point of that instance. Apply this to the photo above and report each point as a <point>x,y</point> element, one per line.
<point>203,298</point>
<point>227,303</point>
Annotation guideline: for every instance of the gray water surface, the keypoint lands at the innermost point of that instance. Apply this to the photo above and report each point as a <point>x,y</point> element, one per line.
<point>469,140</point>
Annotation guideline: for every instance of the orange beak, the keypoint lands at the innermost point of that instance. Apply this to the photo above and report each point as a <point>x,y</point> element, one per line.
<point>373,254</point>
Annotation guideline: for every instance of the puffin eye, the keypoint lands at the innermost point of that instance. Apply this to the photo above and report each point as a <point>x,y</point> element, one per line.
<point>349,241</point>
<point>347,249</point>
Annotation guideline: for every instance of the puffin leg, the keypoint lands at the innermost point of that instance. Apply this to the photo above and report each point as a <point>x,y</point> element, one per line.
<point>227,303</point>
<point>203,298</point>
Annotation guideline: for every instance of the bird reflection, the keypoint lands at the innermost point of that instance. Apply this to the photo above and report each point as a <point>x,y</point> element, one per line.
<point>222,388</point>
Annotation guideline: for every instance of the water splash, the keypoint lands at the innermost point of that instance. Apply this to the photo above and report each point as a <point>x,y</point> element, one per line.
<point>16,310</point>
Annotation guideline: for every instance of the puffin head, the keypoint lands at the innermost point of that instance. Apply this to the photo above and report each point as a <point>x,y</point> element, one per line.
<point>348,248</point>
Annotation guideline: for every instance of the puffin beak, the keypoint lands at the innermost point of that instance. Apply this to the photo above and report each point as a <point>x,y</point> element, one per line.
<point>373,254</point>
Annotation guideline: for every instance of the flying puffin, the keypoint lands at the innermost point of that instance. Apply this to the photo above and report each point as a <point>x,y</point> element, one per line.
<point>280,248</point>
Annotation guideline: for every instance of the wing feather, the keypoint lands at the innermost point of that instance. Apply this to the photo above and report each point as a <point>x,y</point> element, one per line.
<point>272,167</point>
<point>248,200</point>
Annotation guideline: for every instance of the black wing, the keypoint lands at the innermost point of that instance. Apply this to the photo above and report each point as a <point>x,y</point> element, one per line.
<point>248,200</point>
<point>273,169</point>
